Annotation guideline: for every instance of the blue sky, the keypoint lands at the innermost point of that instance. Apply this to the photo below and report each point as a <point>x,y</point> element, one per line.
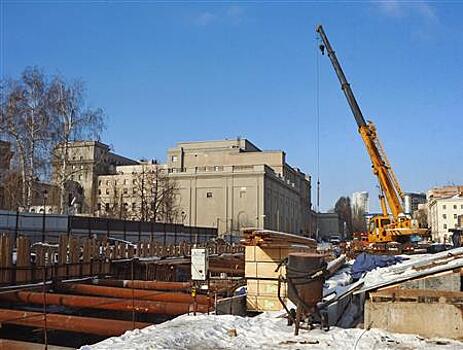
<point>169,72</point>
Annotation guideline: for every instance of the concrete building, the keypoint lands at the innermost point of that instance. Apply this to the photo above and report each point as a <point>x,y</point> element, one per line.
<point>360,201</point>
<point>412,200</point>
<point>443,216</point>
<point>86,161</point>
<point>330,225</point>
<point>444,192</point>
<point>233,184</point>
<point>228,184</point>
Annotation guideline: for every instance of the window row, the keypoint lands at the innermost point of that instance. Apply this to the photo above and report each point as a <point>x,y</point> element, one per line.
<point>455,206</point>
<point>444,216</point>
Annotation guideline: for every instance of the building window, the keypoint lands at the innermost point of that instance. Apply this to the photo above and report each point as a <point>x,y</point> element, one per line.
<point>99,191</point>
<point>134,181</point>
<point>444,216</point>
<point>126,205</point>
<point>444,207</point>
<point>125,191</point>
<point>99,183</point>
<point>107,182</point>
<point>445,226</point>
<point>134,206</point>
<point>454,206</point>
<point>98,206</point>
<point>455,216</point>
<point>125,181</point>
<point>80,177</point>
<point>107,206</point>
<point>134,191</point>
<point>209,195</point>
<point>107,191</point>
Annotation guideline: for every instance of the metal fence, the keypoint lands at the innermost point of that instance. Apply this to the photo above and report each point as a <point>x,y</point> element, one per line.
<point>48,228</point>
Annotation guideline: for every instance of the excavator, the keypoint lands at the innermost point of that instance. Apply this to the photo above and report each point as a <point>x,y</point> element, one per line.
<point>392,225</point>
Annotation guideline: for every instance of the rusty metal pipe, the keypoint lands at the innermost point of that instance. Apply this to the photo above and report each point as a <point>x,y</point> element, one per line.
<point>128,293</point>
<point>78,301</point>
<point>91,325</point>
<point>138,284</point>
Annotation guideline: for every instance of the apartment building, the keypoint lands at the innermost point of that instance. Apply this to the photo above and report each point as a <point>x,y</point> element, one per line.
<point>86,160</point>
<point>412,200</point>
<point>228,184</point>
<point>443,214</point>
<point>360,201</point>
<point>444,192</point>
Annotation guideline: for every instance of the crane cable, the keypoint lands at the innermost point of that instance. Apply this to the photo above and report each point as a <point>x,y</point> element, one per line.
<point>317,139</point>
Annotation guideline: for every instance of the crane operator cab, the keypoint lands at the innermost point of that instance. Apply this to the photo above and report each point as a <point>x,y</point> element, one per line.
<point>377,228</point>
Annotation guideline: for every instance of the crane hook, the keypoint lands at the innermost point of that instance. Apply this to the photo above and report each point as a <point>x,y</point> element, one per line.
<point>322,49</point>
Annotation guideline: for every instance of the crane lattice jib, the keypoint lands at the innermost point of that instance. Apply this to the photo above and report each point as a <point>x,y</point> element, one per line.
<point>381,168</point>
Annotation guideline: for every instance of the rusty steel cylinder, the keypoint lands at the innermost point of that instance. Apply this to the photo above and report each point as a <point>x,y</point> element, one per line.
<point>78,301</point>
<point>128,293</point>
<point>304,288</point>
<point>90,325</point>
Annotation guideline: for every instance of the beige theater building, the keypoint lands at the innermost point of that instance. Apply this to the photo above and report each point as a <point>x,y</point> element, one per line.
<point>232,184</point>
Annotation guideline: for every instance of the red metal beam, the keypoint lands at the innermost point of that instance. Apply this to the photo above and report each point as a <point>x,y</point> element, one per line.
<point>98,326</point>
<point>128,293</point>
<point>138,284</point>
<point>78,301</point>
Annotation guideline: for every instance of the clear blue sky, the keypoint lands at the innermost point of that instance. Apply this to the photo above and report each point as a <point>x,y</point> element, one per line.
<point>174,72</point>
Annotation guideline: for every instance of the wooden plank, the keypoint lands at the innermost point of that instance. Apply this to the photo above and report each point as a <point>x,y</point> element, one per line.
<point>23,260</point>
<point>6,258</point>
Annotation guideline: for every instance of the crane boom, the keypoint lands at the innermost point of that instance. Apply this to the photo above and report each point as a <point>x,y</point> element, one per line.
<point>345,86</point>
<point>381,168</point>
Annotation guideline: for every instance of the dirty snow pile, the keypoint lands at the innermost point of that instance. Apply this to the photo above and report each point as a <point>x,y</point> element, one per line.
<point>432,263</point>
<point>266,331</point>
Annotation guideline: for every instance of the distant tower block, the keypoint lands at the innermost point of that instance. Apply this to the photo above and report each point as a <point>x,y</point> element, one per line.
<point>360,201</point>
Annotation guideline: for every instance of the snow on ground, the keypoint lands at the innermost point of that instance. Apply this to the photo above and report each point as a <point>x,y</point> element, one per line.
<point>432,262</point>
<point>266,331</point>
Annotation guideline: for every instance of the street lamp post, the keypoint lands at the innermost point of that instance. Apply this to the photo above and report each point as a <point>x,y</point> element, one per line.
<point>44,198</point>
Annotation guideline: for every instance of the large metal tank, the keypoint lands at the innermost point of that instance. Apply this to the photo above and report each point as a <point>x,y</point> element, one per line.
<point>302,286</point>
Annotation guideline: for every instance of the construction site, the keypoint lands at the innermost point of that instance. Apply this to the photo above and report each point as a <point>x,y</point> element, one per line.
<point>221,247</point>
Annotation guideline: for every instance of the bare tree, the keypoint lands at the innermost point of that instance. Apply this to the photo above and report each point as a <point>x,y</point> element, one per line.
<point>114,204</point>
<point>25,119</point>
<point>36,115</point>
<point>344,211</point>
<point>359,223</point>
<point>72,121</point>
<point>156,194</point>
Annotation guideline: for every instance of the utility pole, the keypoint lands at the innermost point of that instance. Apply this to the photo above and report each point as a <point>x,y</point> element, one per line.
<point>44,198</point>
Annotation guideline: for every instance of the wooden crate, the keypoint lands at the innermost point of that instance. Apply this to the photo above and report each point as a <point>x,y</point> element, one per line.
<point>261,271</point>
<point>260,303</point>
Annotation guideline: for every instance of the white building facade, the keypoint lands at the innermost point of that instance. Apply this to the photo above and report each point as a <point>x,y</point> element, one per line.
<point>360,201</point>
<point>443,215</point>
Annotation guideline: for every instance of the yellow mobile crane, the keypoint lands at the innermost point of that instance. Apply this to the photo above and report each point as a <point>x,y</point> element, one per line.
<point>392,225</point>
